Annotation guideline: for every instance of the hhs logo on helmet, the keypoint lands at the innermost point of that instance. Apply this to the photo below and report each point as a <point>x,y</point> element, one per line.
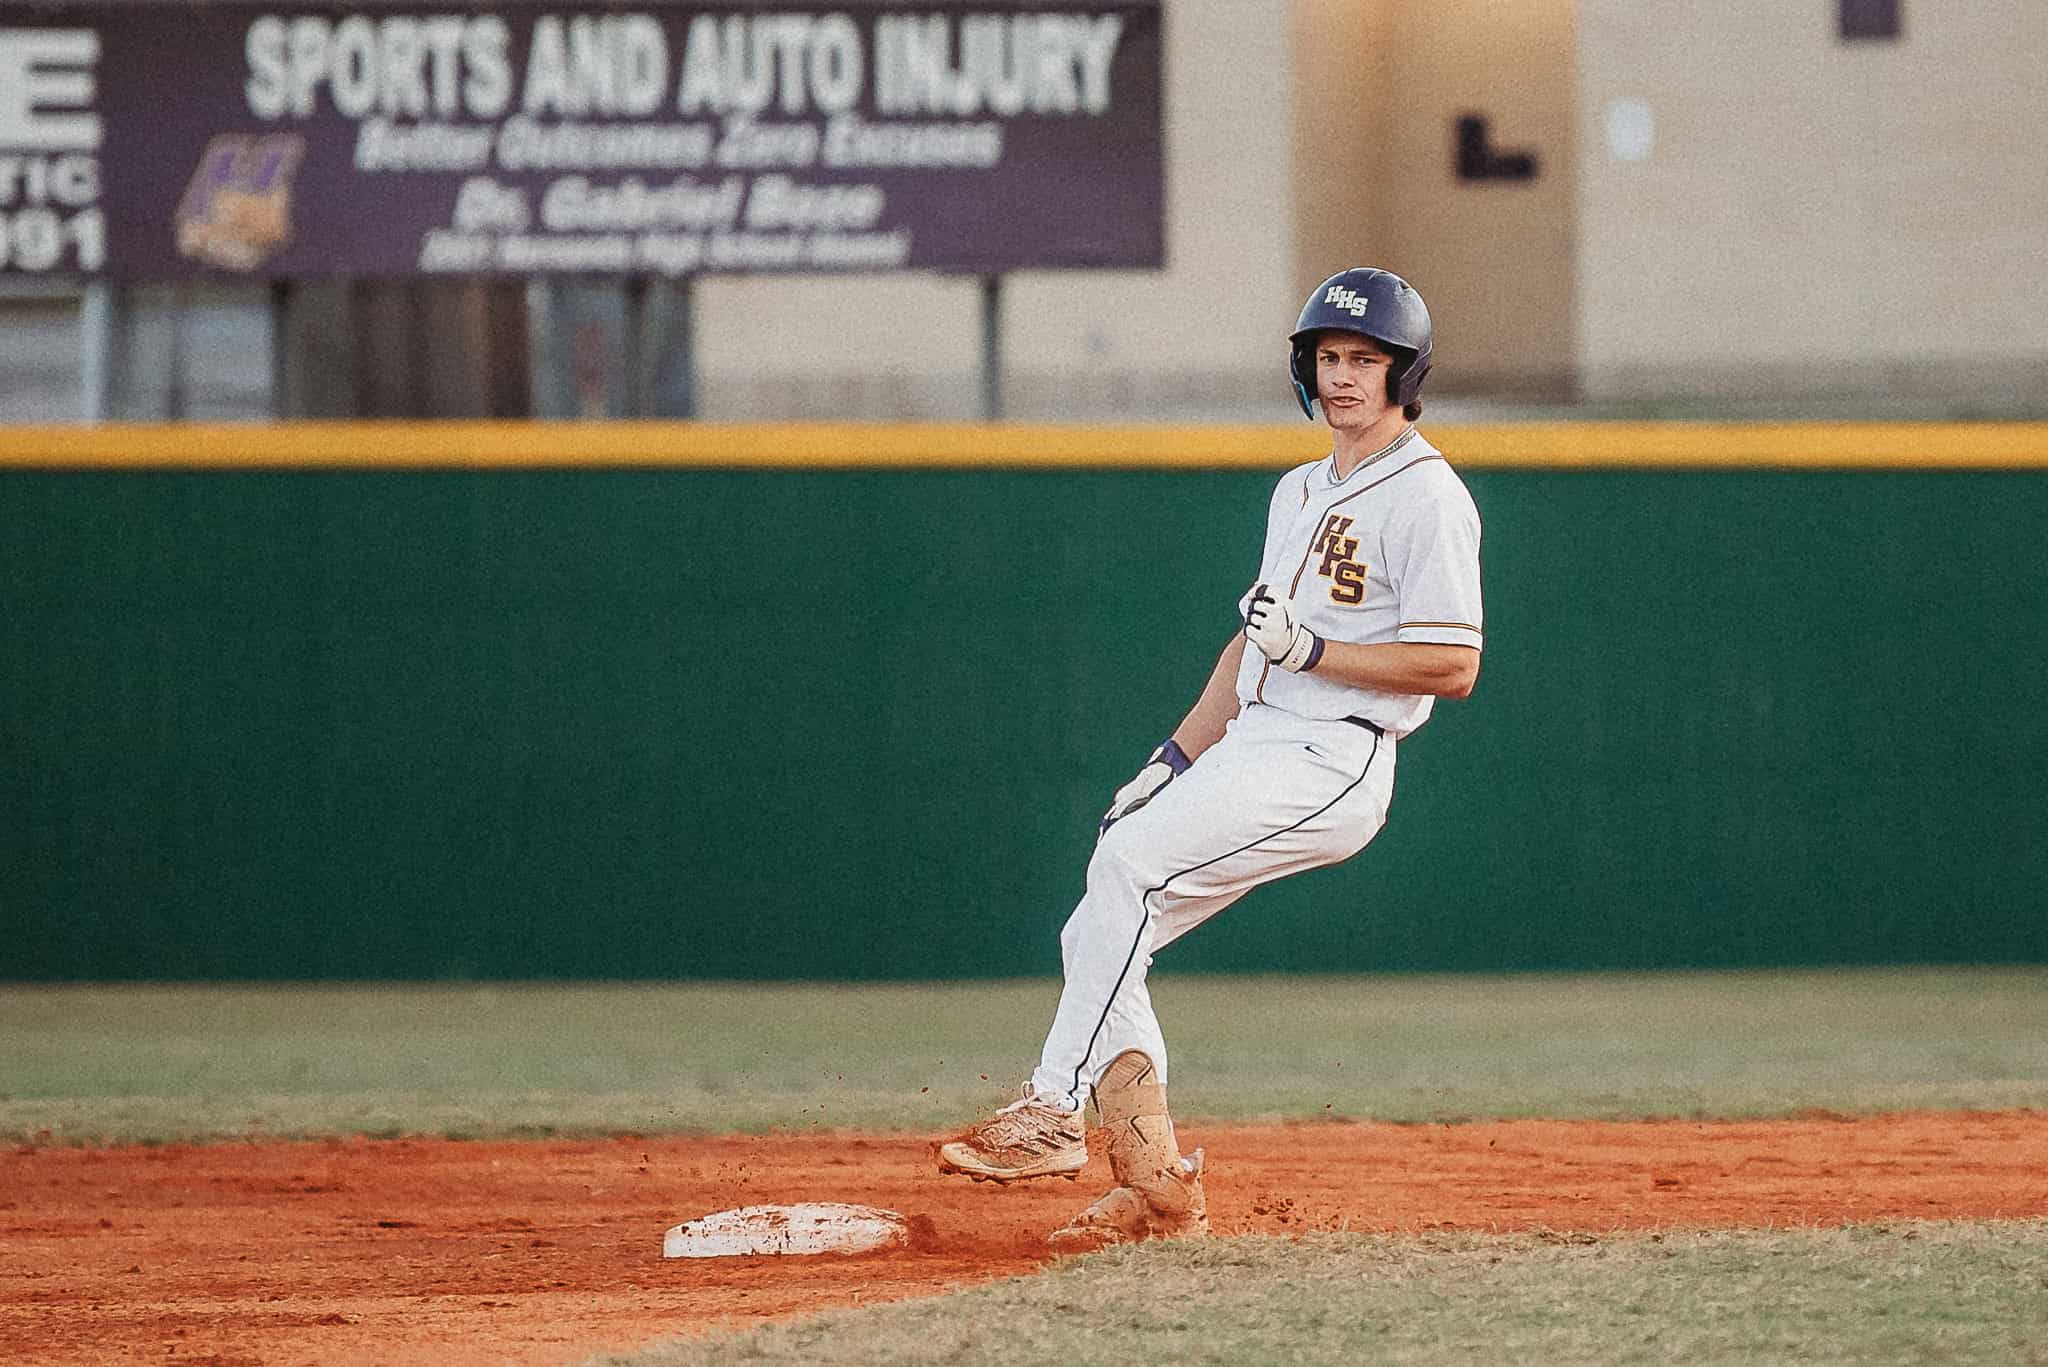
<point>1347,299</point>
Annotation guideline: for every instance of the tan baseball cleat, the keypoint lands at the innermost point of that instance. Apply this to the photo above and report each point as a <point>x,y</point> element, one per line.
<point>1118,1216</point>
<point>1025,1140</point>
<point>1143,1153</point>
<point>1124,1216</point>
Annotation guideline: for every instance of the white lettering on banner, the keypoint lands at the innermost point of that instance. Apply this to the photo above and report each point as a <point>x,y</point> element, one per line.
<point>389,70</point>
<point>779,202</point>
<point>1005,64</point>
<point>483,204</point>
<point>444,250</point>
<point>670,253</point>
<point>837,66</point>
<point>791,251</point>
<point>859,251</point>
<point>702,87</point>
<point>596,64</point>
<point>71,180</point>
<point>664,252</point>
<point>524,145</point>
<point>740,64</point>
<point>37,239</point>
<point>611,253</point>
<point>770,251</point>
<point>385,146</point>
<point>755,145</point>
<point>849,142</point>
<point>50,218</point>
<point>443,65</point>
<point>574,204</point>
<point>47,90</point>
<point>358,71</point>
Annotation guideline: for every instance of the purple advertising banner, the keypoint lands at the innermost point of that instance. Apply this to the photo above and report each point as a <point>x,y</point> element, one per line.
<point>154,141</point>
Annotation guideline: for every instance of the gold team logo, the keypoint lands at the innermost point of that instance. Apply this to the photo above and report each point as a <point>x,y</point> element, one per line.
<point>1346,575</point>
<point>237,211</point>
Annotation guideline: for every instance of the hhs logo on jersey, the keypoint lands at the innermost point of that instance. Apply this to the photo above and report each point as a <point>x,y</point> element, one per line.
<point>1346,574</point>
<point>1347,299</point>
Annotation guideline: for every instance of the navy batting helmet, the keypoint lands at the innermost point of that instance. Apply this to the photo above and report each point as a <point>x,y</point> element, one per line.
<point>1380,305</point>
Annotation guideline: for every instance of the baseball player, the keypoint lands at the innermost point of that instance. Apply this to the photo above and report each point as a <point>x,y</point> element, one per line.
<point>1366,609</point>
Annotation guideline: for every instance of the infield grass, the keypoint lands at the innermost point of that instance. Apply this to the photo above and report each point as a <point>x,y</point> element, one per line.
<point>1889,1293</point>
<point>155,1064</point>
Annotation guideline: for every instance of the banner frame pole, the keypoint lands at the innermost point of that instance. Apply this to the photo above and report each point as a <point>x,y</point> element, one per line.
<point>99,327</point>
<point>991,348</point>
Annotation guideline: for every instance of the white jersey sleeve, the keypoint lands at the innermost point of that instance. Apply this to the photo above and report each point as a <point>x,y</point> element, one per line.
<point>1432,550</point>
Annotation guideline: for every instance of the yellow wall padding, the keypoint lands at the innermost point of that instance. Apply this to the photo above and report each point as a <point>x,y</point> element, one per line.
<point>894,446</point>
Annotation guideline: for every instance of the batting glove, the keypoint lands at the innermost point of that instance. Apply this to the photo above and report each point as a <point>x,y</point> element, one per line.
<point>1270,624</point>
<point>1168,762</point>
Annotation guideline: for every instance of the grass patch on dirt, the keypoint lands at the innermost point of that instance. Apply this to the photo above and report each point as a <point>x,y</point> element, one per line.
<point>161,1064</point>
<point>1890,1293</point>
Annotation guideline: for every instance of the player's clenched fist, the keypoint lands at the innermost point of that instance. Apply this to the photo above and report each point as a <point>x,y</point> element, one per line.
<point>1167,761</point>
<point>1270,624</point>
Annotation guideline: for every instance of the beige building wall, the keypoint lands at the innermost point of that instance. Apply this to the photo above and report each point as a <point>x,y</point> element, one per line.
<point>1203,339</point>
<point>1382,84</point>
<point>1344,209</point>
<point>1770,211</point>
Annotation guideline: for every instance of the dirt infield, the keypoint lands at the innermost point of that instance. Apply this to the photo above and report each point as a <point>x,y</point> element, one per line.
<point>544,1252</point>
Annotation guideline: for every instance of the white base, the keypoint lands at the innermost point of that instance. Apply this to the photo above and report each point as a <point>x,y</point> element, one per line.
<point>808,1227</point>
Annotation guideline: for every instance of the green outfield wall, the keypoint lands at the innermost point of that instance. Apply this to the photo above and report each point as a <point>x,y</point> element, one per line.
<point>651,720</point>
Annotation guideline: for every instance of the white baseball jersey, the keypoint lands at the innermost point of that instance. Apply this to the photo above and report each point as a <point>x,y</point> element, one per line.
<point>1388,553</point>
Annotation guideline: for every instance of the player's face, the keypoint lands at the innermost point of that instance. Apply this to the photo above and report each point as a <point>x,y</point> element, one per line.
<point>1351,379</point>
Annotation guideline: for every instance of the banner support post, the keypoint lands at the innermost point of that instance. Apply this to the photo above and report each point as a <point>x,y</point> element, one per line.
<point>991,348</point>
<point>664,327</point>
<point>177,398</point>
<point>99,326</point>
<point>681,353</point>
<point>637,352</point>
<point>278,310</point>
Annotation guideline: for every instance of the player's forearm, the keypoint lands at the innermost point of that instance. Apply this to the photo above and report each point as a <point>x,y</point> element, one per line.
<point>1401,667</point>
<point>1204,723</point>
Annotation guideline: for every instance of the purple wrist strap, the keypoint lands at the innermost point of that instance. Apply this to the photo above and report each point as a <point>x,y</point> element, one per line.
<point>1175,757</point>
<point>1315,653</point>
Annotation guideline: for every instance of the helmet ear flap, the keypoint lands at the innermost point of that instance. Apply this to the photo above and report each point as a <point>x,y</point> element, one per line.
<point>1301,365</point>
<point>1404,381</point>
<point>1412,378</point>
<point>1398,390</point>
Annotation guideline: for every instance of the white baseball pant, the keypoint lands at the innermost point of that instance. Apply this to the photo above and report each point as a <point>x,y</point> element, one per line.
<point>1278,794</point>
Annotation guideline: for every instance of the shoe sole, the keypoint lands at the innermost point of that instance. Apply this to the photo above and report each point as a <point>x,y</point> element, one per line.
<point>954,1158</point>
<point>1085,1239</point>
<point>1088,1238</point>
